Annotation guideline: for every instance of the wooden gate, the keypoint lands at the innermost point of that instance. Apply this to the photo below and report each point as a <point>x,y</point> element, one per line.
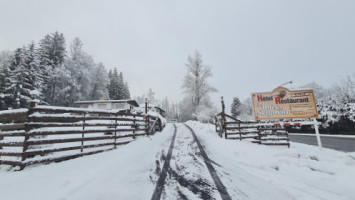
<point>255,131</point>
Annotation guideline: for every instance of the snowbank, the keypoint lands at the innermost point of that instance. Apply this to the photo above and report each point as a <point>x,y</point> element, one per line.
<point>251,171</point>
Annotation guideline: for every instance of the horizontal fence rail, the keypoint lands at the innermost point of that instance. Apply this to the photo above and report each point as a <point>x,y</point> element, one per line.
<point>257,132</point>
<point>44,134</point>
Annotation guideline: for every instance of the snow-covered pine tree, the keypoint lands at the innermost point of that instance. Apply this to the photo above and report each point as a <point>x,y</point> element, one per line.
<point>64,90</point>
<point>121,87</point>
<point>81,66</point>
<point>127,94</point>
<point>110,83</point>
<point>18,81</point>
<point>5,59</point>
<point>140,99</point>
<point>117,89</point>
<point>100,79</point>
<point>113,87</point>
<point>34,77</point>
<point>150,96</point>
<point>236,107</point>
<point>52,53</point>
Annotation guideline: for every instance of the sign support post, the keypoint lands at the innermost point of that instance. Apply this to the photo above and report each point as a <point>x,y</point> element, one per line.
<point>317,133</point>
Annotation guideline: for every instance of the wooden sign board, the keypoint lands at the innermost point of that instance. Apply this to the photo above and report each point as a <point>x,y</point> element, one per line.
<point>283,103</point>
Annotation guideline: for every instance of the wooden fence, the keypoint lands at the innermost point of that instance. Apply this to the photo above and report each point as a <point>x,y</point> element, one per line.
<point>44,134</point>
<point>255,131</point>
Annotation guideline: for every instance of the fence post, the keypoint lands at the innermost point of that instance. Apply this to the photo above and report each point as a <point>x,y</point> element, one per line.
<point>148,124</point>
<point>32,104</point>
<point>115,131</point>
<point>146,106</point>
<point>82,135</point>
<point>134,126</point>
<point>223,119</point>
<point>146,116</point>
<point>240,133</point>
<point>1,138</point>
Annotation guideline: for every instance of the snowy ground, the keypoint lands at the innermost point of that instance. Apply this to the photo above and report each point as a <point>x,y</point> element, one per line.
<point>249,171</point>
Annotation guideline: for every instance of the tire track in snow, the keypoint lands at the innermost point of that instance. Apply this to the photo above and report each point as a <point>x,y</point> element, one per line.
<point>184,174</point>
<point>221,188</point>
<point>160,185</point>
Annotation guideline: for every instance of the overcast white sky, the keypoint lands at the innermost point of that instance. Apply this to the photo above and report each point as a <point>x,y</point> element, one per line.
<point>251,45</point>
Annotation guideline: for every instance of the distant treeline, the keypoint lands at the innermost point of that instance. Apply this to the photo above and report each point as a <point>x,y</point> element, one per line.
<point>48,72</point>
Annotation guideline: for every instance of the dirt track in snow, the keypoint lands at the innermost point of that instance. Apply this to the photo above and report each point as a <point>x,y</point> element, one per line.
<point>187,171</point>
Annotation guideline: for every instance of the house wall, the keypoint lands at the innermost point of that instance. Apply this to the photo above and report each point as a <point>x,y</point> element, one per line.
<point>106,106</point>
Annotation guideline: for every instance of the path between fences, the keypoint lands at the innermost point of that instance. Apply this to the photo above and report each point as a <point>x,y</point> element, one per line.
<point>183,171</point>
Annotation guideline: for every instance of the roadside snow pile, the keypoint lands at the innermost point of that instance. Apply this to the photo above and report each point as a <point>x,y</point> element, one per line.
<point>251,171</point>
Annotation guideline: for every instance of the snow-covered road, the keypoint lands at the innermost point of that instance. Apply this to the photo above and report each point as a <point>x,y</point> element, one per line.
<point>188,176</point>
<point>248,171</point>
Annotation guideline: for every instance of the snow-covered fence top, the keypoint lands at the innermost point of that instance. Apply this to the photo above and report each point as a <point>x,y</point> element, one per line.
<point>44,134</point>
<point>261,133</point>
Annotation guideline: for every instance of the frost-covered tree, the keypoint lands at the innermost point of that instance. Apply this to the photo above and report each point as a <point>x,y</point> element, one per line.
<point>52,53</point>
<point>114,87</point>
<point>126,93</point>
<point>117,89</point>
<point>236,107</point>
<point>345,90</point>
<point>81,67</point>
<point>33,79</point>
<point>5,59</point>
<point>64,90</point>
<point>19,81</point>
<point>150,96</point>
<point>52,49</point>
<point>99,83</point>
<point>195,85</point>
<point>246,109</point>
<point>48,74</point>
<point>140,99</point>
<point>121,87</point>
<point>165,105</point>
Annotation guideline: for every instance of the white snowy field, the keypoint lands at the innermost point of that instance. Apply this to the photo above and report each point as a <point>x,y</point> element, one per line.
<point>249,171</point>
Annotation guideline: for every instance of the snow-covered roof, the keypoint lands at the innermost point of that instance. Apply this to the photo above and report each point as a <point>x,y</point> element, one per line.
<point>129,101</point>
<point>156,107</point>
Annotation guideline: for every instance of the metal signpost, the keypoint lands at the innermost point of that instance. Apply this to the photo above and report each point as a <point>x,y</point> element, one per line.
<point>283,103</point>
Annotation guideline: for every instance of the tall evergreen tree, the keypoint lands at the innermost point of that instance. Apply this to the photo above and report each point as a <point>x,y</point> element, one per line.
<point>127,94</point>
<point>236,107</point>
<point>150,96</point>
<point>33,78</point>
<point>18,90</point>
<point>81,66</point>
<point>52,53</point>
<point>113,87</point>
<point>121,87</point>
<point>100,80</point>
<point>5,59</point>
<point>117,89</point>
